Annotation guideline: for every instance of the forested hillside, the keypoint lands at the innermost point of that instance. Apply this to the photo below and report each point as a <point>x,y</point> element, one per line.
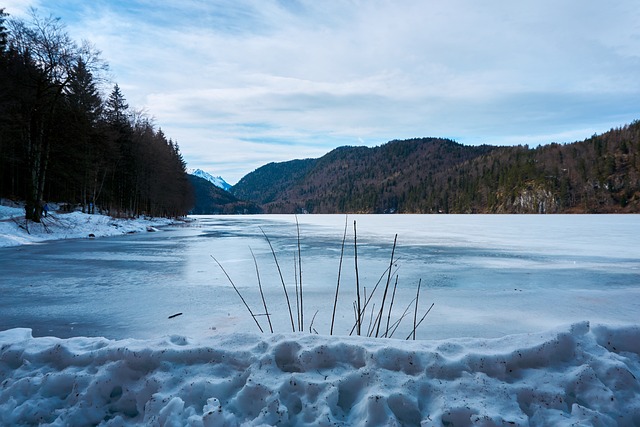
<point>61,139</point>
<point>265,184</point>
<point>598,175</point>
<point>429,175</point>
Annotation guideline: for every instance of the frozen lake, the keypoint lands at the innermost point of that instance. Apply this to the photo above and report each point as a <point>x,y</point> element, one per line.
<point>487,275</point>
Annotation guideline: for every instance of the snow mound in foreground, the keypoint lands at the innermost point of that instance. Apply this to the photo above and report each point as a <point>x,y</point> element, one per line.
<point>572,375</point>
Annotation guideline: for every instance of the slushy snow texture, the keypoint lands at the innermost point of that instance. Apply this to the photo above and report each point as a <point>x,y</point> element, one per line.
<point>573,375</point>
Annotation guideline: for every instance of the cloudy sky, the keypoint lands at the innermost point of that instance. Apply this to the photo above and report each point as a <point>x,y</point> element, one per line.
<point>240,83</point>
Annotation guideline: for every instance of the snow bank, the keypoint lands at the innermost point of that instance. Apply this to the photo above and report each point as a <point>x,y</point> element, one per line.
<point>576,375</point>
<point>15,231</point>
<point>10,210</point>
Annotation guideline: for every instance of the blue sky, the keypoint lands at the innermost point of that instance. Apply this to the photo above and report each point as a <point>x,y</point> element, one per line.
<point>241,83</point>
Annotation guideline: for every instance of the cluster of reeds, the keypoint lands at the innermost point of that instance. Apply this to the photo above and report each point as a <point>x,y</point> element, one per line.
<point>363,307</point>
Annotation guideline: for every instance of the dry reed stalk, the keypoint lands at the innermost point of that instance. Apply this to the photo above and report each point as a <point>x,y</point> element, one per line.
<point>300,272</point>
<point>355,315</point>
<point>386,288</point>
<point>377,321</point>
<point>416,327</point>
<point>335,301</point>
<point>367,299</point>
<point>415,313</point>
<point>393,297</point>
<point>295,277</point>
<point>239,294</point>
<point>264,301</point>
<point>355,248</point>
<point>370,329</point>
<point>396,324</point>
<point>284,287</point>
<point>313,320</point>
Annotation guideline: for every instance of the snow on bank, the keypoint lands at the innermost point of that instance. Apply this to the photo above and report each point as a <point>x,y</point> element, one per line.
<point>575,375</point>
<point>15,231</point>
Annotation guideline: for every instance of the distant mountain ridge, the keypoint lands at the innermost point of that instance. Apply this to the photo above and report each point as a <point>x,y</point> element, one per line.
<point>433,175</point>
<point>265,184</point>
<point>212,200</point>
<point>218,181</point>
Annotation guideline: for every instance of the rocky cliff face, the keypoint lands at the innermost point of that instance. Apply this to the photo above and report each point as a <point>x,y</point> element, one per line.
<point>535,200</point>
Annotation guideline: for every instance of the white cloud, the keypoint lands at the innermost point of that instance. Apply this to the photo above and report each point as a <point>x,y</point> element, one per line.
<point>18,8</point>
<point>305,76</point>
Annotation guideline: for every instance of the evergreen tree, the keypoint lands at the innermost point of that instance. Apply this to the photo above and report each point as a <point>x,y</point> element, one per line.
<point>3,31</point>
<point>122,184</point>
<point>92,150</point>
<point>116,108</point>
<point>82,93</point>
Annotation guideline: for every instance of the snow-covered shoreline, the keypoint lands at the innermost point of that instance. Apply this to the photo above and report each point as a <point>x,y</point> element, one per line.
<point>14,231</point>
<point>575,375</point>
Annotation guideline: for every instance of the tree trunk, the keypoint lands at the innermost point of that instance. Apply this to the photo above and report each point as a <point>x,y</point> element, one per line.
<point>34,155</point>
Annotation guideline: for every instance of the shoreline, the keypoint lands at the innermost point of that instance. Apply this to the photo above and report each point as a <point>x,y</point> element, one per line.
<point>15,231</point>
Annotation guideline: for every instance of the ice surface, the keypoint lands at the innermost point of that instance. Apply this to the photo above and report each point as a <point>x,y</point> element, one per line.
<point>562,269</point>
<point>575,375</point>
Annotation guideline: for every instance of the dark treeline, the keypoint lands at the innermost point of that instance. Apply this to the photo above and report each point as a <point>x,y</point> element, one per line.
<point>62,140</point>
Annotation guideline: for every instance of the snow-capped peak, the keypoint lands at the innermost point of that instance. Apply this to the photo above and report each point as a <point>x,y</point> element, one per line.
<point>218,181</point>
